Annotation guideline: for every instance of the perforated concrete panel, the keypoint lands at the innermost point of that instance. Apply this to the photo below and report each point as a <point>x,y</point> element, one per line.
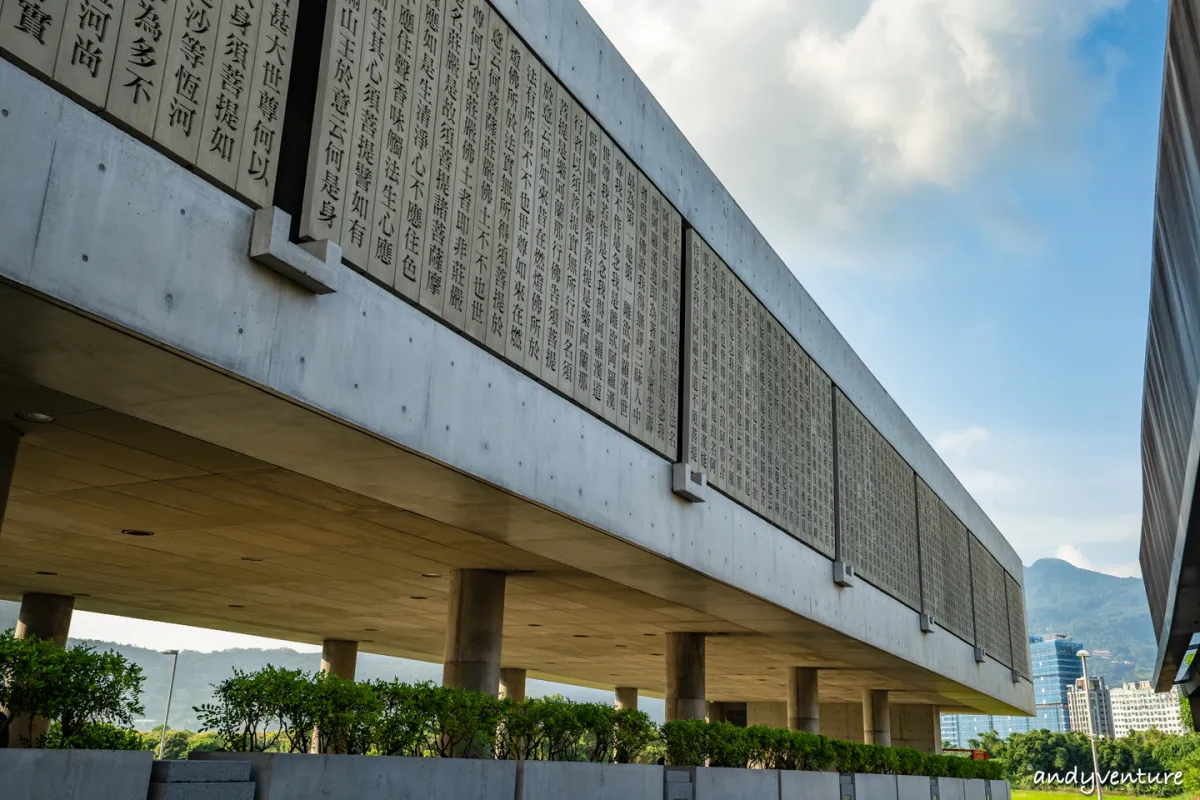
<point>876,506</point>
<point>991,604</point>
<point>945,564</point>
<point>757,410</point>
<point>1016,625</point>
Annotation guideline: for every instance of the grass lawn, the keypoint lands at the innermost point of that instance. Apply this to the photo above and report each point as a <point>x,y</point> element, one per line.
<point>1027,794</point>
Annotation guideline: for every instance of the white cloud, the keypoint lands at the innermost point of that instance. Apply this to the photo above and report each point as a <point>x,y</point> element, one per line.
<point>828,116</point>
<point>1073,555</point>
<point>960,442</point>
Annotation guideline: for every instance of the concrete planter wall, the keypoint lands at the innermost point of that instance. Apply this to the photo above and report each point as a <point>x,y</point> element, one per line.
<point>74,774</point>
<point>553,780</point>
<point>298,776</point>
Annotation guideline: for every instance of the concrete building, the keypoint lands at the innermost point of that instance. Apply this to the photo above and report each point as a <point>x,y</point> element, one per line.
<point>1137,707</point>
<point>1055,670</point>
<point>1170,546</point>
<point>485,368</point>
<point>1090,709</point>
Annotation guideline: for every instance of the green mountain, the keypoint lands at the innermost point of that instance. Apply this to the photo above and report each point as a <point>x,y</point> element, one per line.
<point>1101,611</point>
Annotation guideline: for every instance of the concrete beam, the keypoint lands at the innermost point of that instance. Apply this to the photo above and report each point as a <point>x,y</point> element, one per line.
<point>685,676</point>
<point>627,697</point>
<point>803,705</point>
<point>474,630</point>
<point>512,684</point>
<point>877,718</point>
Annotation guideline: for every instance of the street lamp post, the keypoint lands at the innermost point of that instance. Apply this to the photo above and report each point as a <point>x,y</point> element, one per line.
<point>162,744</point>
<point>1087,697</point>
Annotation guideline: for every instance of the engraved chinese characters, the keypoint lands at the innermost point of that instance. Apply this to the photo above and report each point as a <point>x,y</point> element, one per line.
<point>452,166</point>
<point>945,564</point>
<point>757,409</point>
<point>991,604</point>
<point>1016,626</point>
<point>204,80</point>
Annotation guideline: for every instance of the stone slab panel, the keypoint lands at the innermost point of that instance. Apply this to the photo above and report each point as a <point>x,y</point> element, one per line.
<point>1015,600</point>
<point>187,78</point>
<point>874,787</point>
<point>976,789</point>
<point>30,32</point>
<point>553,780</point>
<point>140,69</point>
<point>795,785</point>
<point>1001,790</point>
<point>181,771</point>
<point>266,101</point>
<point>202,791</point>
<point>913,787</point>
<point>951,789</point>
<point>945,564</point>
<point>87,50</point>
<point>75,774</point>
<point>719,783</point>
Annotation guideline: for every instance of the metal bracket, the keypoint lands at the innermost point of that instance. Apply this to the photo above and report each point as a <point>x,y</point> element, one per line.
<point>928,624</point>
<point>843,573</point>
<point>312,265</point>
<point>690,484</point>
<point>1016,676</point>
<point>979,655</point>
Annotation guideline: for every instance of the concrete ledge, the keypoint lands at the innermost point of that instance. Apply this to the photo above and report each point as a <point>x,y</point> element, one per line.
<point>202,791</point>
<point>299,776</point>
<point>74,774</point>
<point>976,790</point>
<point>200,771</point>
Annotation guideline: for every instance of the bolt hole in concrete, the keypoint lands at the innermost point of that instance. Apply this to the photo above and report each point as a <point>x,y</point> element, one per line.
<point>102,168</point>
<point>85,257</point>
<point>3,112</point>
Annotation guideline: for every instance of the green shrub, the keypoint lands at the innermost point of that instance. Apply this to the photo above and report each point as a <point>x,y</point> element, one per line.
<point>345,714</point>
<point>403,726</point>
<point>685,742</point>
<point>464,723</point>
<point>89,694</point>
<point>634,737</point>
<point>91,736</point>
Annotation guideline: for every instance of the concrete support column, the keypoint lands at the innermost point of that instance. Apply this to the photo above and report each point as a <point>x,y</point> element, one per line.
<point>45,616</point>
<point>627,697</point>
<point>474,630</point>
<point>339,657</point>
<point>803,705</point>
<point>877,717</point>
<point>10,437</point>
<point>685,676</point>
<point>512,684</point>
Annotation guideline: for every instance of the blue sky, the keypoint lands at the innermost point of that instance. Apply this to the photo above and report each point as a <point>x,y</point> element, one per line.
<point>966,188</point>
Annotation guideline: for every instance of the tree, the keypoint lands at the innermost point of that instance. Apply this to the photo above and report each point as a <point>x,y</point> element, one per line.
<point>93,696</point>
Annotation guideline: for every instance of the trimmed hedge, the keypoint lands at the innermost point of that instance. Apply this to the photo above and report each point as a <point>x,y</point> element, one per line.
<point>693,743</point>
<point>279,710</point>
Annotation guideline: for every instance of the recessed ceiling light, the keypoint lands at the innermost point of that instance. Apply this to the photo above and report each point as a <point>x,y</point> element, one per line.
<point>431,575</point>
<point>371,630</point>
<point>620,645</point>
<point>34,416</point>
<point>523,571</point>
<point>649,634</point>
<point>82,594</point>
<point>581,636</point>
<point>235,605</point>
<point>366,641</point>
<point>535,625</point>
<point>251,558</point>
<point>136,532</point>
<point>417,597</point>
<point>656,654</point>
<point>44,572</point>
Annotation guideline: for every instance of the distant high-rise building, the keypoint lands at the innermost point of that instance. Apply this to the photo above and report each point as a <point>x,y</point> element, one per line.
<point>1055,670</point>
<point>1137,707</point>
<point>1090,697</point>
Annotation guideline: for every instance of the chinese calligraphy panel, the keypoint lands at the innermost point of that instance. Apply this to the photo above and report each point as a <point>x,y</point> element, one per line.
<point>30,31</point>
<point>225,110</point>
<point>87,50</point>
<point>187,80</point>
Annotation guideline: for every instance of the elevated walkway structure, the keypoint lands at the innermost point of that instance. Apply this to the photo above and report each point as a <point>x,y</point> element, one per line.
<point>446,343</point>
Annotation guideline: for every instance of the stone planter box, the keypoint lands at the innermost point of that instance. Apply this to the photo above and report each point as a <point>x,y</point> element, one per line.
<point>74,774</point>
<point>1001,790</point>
<point>554,780</point>
<point>809,785</point>
<point>951,789</point>
<point>299,776</point>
